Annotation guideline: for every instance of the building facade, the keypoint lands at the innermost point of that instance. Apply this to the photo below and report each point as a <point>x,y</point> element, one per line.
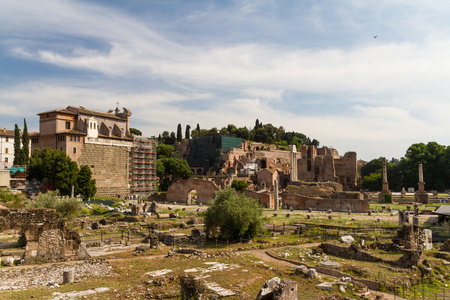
<point>6,148</point>
<point>102,141</point>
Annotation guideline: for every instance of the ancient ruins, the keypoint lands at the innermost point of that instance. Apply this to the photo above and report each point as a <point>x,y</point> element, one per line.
<point>47,237</point>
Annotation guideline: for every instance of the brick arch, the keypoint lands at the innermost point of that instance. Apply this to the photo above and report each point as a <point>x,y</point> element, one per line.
<point>48,238</point>
<point>179,190</point>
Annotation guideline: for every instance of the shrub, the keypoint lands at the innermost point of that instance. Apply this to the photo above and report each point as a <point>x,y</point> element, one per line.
<point>66,208</point>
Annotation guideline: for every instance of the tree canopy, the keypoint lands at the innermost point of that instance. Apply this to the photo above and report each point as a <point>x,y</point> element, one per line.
<point>164,151</point>
<point>59,171</point>
<point>404,172</point>
<point>171,169</point>
<point>135,131</point>
<point>261,133</point>
<point>239,185</point>
<point>230,216</point>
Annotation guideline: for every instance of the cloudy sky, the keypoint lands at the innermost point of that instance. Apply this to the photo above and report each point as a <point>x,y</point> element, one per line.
<point>310,66</point>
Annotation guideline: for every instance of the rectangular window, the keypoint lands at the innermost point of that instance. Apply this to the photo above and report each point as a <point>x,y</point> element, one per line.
<point>74,150</point>
<point>6,159</point>
<point>70,138</point>
<point>78,138</point>
<point>90,125</point>
<point>6,150</point>
<point>7,139</point>
<point>67,125</point>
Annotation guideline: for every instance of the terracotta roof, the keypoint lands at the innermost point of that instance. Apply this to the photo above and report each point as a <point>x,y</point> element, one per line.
<point>59,110</point>
<point>84,111</point>
<point>6,132</point>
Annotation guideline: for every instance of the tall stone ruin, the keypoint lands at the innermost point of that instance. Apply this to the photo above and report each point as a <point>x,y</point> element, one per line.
<point>385,185</point>
<point>421,195</point>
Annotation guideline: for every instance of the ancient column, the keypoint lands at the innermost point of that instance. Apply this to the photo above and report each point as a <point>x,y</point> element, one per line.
<point>421,195</point>
<point>385,181</point>
<point>276,200</point>
<point>293,163</point>
<point>385,185</point>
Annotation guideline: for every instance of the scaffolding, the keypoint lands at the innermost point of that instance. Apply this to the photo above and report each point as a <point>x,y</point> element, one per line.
<point>143,167</point>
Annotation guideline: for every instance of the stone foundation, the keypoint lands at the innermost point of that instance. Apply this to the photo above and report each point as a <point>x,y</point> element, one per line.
<point>48,238</point>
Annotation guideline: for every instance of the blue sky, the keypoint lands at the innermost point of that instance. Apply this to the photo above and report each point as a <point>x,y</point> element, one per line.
<point>309,66</point>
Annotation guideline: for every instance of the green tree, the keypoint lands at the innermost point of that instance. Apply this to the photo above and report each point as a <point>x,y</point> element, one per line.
<point>198,128</point>
<point>135,131</point>
<point>179,133</point>
<point>25,143</point>
<point>171,169</point>
<point>372,182</point>
<point>173,138</point>
<point>239,185</point>
<point>164,151</point>
<point>55,168</point>
<point>85,186</point>
<point>18,154</point>
<point>195,134</point>
<point>230,217</point>
<point>187,135</point>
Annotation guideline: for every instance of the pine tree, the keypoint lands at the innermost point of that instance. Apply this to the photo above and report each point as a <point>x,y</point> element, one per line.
<point>18,156</point>
<point>25,143</point>
<point>179,133</point>
<point>187,134</point>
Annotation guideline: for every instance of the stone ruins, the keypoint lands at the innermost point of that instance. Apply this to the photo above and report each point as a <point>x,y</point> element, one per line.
<point>48,238</point>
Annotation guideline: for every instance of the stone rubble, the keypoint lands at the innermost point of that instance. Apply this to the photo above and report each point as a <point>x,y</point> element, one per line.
<point>52,275</point>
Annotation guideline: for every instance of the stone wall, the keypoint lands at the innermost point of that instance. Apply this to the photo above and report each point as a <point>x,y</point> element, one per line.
<point>338,204</point>
<point>179,191</point>
<point>109,166</point>
<point>265,199</point>
<point>48,238</point>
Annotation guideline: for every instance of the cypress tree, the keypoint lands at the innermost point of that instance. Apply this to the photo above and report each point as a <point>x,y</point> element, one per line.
<point>179,133</point>
<point>18,157</point>
<point>25,143</point>
<point>198,128</point>
<point>187,134</point>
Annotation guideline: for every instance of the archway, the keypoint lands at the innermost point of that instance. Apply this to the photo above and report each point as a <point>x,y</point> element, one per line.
<point>192,197</point>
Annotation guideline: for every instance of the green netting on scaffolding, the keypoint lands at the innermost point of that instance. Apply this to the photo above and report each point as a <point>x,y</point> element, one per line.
<point>15,170</point>
<point>206,151</point>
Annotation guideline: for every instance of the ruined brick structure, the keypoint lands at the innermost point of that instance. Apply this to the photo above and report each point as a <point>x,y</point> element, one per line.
<point>342,202</point>
<point>48,238</point>
<point>325,164</point>
<point>182,191</point>
<point>102,141</point>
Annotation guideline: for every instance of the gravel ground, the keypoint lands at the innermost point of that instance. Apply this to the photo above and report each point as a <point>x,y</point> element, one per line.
<point>51,275</point>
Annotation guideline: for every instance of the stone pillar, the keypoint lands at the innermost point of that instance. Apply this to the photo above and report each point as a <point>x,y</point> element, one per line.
<point>385,185</point>
<point>276,200</point>
<point>68,276</point>
<point>294,171</point>
<point>421,195</point>
<point>385,181</point>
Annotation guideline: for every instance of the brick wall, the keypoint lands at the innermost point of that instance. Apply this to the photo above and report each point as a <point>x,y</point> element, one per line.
<point>109,166</point>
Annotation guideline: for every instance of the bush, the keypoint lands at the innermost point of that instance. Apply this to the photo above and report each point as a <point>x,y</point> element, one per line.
<point>6,196</point>
<point>230,217</point>
<point>387,198</point>
<point>66,208</point>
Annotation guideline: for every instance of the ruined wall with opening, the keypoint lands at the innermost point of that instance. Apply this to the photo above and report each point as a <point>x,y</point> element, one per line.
<point>179,190</point>
<point>48,238</point>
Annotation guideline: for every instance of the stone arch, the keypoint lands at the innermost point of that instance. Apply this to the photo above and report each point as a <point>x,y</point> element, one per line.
<point>192,197</point>
<point>179,190</point>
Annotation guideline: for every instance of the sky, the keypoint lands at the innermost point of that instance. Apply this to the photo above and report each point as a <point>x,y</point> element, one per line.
<point>369,76</point>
